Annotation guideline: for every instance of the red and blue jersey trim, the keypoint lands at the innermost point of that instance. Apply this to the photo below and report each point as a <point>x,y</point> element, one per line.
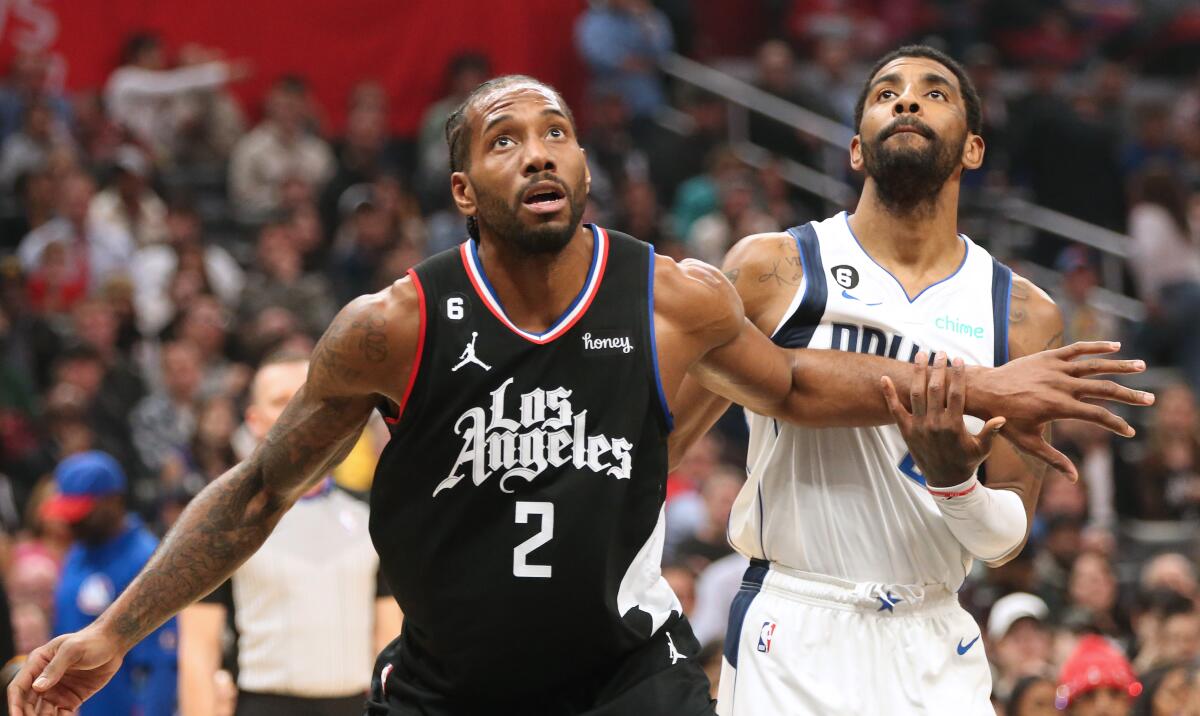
<point>416,366</point>
<point>575,311</point>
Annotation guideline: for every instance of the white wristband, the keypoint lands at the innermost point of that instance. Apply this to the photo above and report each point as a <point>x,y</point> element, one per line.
<point>987,523</point>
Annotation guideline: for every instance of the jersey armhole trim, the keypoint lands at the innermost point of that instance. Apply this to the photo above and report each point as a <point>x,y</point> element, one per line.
<point>416,367</point>
<point>662,396</point>
<point>801,290</point>
<point>1002,279</point>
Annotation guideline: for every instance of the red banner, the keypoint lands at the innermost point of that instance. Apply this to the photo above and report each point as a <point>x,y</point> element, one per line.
<point>404,44</point>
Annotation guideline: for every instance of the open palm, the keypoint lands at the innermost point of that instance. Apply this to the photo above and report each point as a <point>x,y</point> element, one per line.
<point>64,673</point>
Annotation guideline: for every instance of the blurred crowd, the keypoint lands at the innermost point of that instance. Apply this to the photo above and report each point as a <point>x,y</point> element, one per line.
<point>159,239</point>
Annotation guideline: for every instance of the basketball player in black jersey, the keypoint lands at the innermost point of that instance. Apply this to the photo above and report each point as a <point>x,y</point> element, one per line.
<point>528,377</point>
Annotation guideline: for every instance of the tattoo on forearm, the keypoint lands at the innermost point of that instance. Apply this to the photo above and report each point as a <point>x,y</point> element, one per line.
<point>228,521</point>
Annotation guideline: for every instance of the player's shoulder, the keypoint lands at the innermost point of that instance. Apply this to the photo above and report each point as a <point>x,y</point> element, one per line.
<point>1035,321</point>
<point>693,294</point>
<point>760,252</point>
<point>372,339</point>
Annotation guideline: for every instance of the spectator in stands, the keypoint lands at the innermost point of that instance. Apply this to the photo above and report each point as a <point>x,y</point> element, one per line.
<point>164,422</point>
<point>281,282</point>
<point>737,216</point>
<point>640,216</point>
<point>141,93</point>
<point>708,543</point>
<point>208,121</point>
<point>832,78</point>
<point>279,148</point>
<point>464,73</point>
<point>1152,141</point>
<point>363,240</point>
<point>777,74</point>
<point>1154,607</point>
<point>207,325</point>
<point>622,42</point>
<point>28,84</point>
<point>1081,320</point>
<point>111,546</point>
<point>1032,696</point>
<point>29,149</point>
<point>1172,571</point>
<point>1018,640</point>
<point>73,256</point>
<point>96,134</point>
<point>33,193</point>
<point>1168,691</point>
<point>1169,474</point>
<point>700,194</point>
<point>363,153</point>
<point>321,543</point>
<point>155,266</point>
<point>1096,680</point>
<point>1092,594</point>
<point>1165,259</point>
<point>129,202</point>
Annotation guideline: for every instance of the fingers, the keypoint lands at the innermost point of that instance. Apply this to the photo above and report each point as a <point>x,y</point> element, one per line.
<point>1035,445</point>
<point>1086,348</point>
<point>988,434</point>
<point>1098,366</point>
<point>1109,390</point>
<point>917,389</point>
<point>1104,418</point>
<point>956,392</point>
<point>64,657</point>
<point>22,699</point>
<point>937,385</point>
<point>899,414</point>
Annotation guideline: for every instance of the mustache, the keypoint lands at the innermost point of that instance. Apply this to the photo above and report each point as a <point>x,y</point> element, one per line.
<point>906,121</point>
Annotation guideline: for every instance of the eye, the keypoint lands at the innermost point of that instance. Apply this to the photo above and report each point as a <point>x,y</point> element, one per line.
<point>886,94</point>
<point>557,132</point>
<point>937,94</point>
<point>502,141</point>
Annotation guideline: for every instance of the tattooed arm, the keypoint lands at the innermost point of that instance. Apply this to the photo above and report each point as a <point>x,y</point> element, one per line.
<point>366,352</point>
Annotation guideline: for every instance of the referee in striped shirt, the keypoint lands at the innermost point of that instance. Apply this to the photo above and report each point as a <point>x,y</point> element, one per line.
<point>309,609</point>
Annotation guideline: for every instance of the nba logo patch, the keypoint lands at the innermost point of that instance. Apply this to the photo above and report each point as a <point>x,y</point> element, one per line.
<point>764,637</point>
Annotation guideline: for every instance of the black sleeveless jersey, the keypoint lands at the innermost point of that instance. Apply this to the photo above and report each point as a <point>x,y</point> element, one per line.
<point>518,508</point>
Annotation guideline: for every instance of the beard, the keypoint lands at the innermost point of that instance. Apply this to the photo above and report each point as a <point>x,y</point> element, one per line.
<point>501,218</point>
<point>907,178</point>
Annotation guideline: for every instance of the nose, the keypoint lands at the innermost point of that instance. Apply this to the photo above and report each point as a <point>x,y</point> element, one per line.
<point>906,104</point>
<point>537,158</point>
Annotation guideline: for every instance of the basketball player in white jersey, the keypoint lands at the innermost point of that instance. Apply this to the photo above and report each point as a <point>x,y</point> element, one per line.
<point>849,605</point>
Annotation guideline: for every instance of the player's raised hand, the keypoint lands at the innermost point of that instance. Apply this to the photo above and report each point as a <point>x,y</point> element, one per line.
<point>59,676</point>
<point>937,437</point>
<point>1054,385</point>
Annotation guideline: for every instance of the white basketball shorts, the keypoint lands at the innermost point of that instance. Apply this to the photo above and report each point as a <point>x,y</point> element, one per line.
<point>802,644</point>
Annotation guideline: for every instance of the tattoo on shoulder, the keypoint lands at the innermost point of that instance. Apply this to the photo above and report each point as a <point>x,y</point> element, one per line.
<point>732,274</point>
<point>1055,341</point>
<point>374,341</point>
<point>1017,310</point>
<point>783,272</point>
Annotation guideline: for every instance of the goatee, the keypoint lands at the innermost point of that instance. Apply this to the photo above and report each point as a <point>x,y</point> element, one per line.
<point>500,217</point>
<point>908,178</point>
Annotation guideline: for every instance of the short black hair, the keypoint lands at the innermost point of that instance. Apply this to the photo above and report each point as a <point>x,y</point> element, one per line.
<point>458,132</point>
<point>969,93</point>
<point>137,43</point>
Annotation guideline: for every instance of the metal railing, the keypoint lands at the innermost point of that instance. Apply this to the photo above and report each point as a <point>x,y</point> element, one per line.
<point>743,98</point>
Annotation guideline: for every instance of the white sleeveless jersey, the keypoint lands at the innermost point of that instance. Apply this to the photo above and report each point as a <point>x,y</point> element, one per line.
<point>849,502</point>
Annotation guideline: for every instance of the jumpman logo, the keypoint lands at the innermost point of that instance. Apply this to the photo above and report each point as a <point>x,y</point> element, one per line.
<point>673,655</point>
<point>468,356</point>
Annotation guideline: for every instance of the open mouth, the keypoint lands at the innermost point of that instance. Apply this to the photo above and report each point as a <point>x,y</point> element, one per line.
<point>545,198</point>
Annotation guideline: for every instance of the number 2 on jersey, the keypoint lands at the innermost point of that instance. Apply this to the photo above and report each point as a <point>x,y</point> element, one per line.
<point>545,510</point>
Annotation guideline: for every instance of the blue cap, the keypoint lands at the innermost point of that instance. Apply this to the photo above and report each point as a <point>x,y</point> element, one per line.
<point>82,479</point>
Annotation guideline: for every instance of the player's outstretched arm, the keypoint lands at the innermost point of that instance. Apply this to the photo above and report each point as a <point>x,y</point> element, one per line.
<point>835,388</point>
<point>371,340</point>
